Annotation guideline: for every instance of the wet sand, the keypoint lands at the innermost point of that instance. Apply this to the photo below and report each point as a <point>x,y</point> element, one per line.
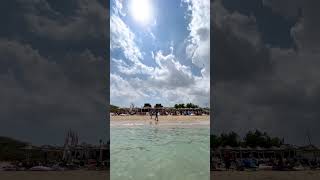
<point>54,175</point>
<point>266,175</point>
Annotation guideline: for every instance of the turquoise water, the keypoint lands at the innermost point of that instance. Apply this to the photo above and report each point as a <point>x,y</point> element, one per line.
<point>148,152</point>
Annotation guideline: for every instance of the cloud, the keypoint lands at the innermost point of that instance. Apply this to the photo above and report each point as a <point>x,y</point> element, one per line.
<point>198,48</point>
<point>287,8</point>
<point>121,90</point>
<point>305,32</point>
<point>124,39</point>
<point>170,73</point>
<point>41,95</point>
<point>238,52</point>
<point>259,87</point>
<point>52,72</point>
<point>168,81</point>
<point>171,82</point>
<point>86,22</point>
<point>304,13</point>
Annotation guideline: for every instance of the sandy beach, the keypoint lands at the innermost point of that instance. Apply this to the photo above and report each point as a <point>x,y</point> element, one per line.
<point>164,121</point>
<point>266,175</point>
<point>54,175</point>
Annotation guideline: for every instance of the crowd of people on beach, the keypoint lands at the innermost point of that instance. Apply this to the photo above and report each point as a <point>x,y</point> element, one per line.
<point>161,111</point>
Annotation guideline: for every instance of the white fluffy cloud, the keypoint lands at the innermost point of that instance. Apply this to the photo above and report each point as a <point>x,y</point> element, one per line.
<point>199,39</point>
<point>124,39</point>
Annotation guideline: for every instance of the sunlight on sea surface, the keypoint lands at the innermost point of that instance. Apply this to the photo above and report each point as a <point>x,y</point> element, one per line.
<point>145,152</point>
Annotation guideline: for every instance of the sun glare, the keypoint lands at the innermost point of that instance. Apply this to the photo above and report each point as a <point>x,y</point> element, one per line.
<point>141,11</point>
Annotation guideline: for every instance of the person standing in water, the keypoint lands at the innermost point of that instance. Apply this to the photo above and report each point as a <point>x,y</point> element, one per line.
<point>150,112</point>
<point>156,118</point>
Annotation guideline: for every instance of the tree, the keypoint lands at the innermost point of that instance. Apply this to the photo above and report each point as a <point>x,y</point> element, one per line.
<point>252,139</point>
<point>11,149</point>
<point>158,106</point>
<point>147,105</point>
<point>190,105</point>
<point>225,139</point>
<point>230,139</point>
<point>113,108</point>
<point>178,106</point>
<point>214,141</point>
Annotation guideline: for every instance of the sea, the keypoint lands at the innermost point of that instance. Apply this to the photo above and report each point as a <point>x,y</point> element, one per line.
<point>160,152</point>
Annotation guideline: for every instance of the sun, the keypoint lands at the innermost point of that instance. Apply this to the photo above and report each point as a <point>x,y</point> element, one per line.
<point>141,11</point>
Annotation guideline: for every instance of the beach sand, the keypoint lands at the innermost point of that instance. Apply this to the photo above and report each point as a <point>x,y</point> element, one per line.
<point>162,119</point>
<point>266,175</point>
<point>54,175</point>
<point>103,175</point>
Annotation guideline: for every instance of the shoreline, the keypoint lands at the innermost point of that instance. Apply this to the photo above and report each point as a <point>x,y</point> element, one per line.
<point>168,120</point>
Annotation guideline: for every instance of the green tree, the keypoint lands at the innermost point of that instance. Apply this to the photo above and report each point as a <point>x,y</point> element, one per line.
<point>178,106</point>
<point>190,105</point>
<point>11,149</point>
<point>158,106</point>
<point>147,105</point>
<point>257,138</point>
<point>229,139</point>
<point>113,108</point>
<point>215,141</point>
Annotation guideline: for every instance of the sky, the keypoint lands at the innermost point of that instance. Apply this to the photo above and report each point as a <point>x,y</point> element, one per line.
<point>55,56</point>
<point>53,70</point>
<point>265,56</point>
<point>160,52</point>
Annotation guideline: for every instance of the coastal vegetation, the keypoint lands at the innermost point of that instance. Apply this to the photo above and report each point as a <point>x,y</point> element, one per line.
<point>148,105</point>
<point>113,108</point>
<point>10,149</point>
<point>251,139</point>
<point>188,105</point>
<point>182,108</point>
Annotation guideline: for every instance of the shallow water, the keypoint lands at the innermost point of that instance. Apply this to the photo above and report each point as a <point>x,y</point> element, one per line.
<point>141,152</point>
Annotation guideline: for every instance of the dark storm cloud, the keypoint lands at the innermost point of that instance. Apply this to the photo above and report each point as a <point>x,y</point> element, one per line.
<point>73,25</point>
<point>305,32</point>
<point>53,69</point>
<point>245,61</point>
<point>288,8</point>
<point>257,86</point>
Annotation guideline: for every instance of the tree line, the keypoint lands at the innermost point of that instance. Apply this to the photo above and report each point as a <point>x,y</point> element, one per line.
<point>252,139</point>
<point>188,105</point>
<point>114,108</point>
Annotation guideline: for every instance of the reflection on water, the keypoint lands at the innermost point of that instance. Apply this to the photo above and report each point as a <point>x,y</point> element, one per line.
<point>159,153</point>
